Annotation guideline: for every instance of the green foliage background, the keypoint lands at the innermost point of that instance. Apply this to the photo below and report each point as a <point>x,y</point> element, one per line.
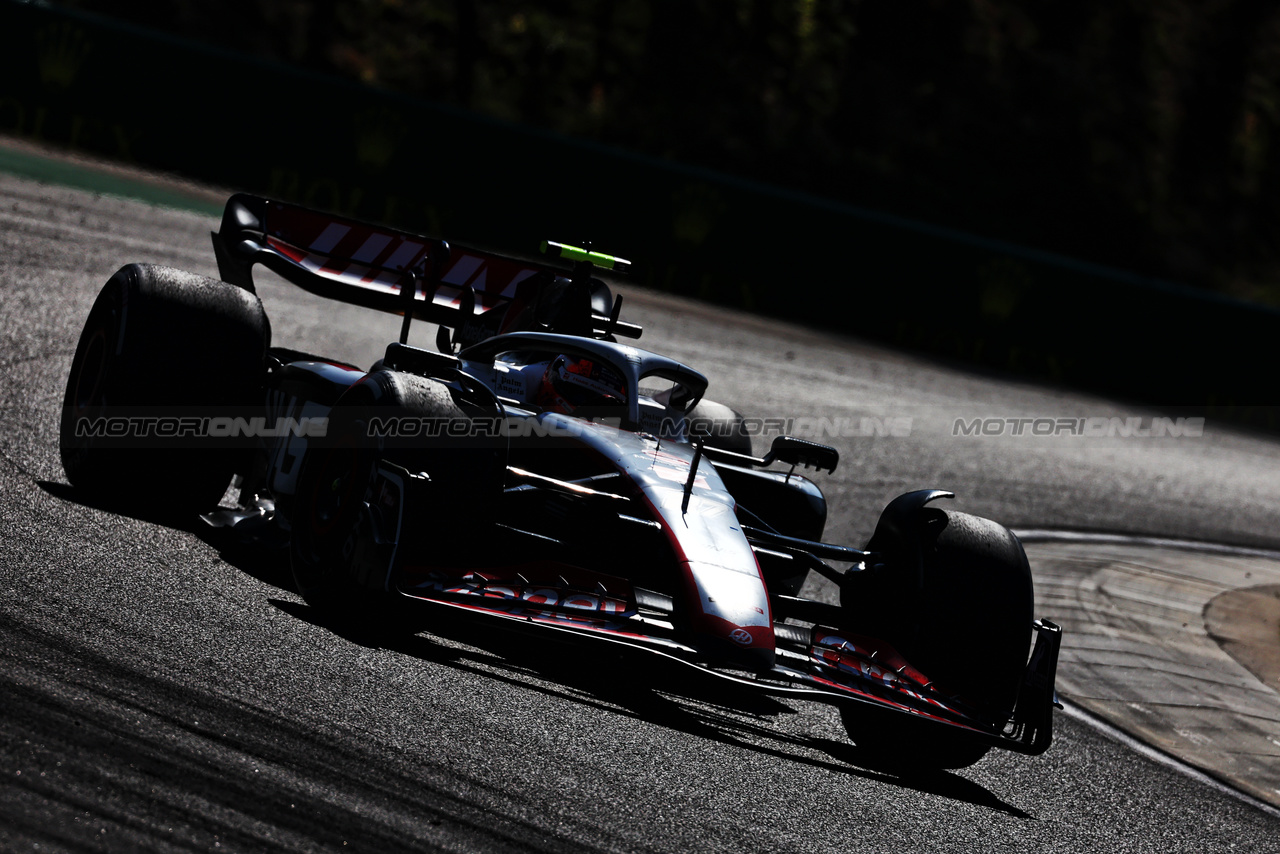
<point>1136,134</point>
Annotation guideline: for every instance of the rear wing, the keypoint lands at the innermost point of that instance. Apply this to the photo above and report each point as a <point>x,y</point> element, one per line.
<point>474,292</point>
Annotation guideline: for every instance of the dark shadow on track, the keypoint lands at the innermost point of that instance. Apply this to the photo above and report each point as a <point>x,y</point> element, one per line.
<point>156,514</point>
<point>628,683</point>
<point>266,561</point>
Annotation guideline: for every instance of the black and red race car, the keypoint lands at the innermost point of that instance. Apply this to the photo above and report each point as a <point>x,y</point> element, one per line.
<point>538,471</point>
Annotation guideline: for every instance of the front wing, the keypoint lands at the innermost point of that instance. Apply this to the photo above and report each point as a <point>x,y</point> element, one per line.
<point>817,663</point>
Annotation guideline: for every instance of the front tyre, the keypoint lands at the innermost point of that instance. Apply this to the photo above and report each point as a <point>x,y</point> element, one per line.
<point>953,594</point>
<point>906,744</point>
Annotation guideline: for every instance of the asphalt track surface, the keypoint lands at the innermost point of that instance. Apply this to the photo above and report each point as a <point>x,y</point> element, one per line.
<point>165,689</point>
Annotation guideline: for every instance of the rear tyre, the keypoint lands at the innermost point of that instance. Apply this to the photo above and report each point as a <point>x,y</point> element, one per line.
<point>954,596</point>
<point>343,539</point>
<point>723,427</point>
<point>161,343</point>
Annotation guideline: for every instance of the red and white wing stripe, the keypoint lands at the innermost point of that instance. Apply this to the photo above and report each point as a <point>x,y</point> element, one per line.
<point>362,256</point>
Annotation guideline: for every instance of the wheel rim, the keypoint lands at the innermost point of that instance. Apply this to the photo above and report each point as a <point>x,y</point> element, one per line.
<point>337,492</point>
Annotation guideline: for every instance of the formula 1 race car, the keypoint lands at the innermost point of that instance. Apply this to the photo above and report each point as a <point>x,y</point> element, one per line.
<point>535,471</point>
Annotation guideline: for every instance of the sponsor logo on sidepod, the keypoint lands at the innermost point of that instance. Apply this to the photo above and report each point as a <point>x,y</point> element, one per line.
<point>741,636</point>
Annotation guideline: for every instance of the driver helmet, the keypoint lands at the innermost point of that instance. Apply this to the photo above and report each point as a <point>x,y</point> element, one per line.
<point>571,383</point>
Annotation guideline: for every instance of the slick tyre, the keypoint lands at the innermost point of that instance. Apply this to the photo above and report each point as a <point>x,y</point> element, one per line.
<point>723,427</point>
<point>972,631</point>
<point>343,542</point>
<point>165,344</point>
<point>955,597</point>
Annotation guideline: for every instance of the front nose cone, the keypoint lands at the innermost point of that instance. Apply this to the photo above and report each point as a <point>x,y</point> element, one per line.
<point>729,614</point>
<point>749,648</point>
<point>755,659</point>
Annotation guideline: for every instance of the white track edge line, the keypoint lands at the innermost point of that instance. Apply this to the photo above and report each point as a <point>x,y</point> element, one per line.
<point>1168,760</point>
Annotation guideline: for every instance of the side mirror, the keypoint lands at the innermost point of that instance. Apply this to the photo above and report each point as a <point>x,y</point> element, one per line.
<point>800,452</point>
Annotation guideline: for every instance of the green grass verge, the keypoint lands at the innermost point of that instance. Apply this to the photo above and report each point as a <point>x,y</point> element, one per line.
<point>52,170</point>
